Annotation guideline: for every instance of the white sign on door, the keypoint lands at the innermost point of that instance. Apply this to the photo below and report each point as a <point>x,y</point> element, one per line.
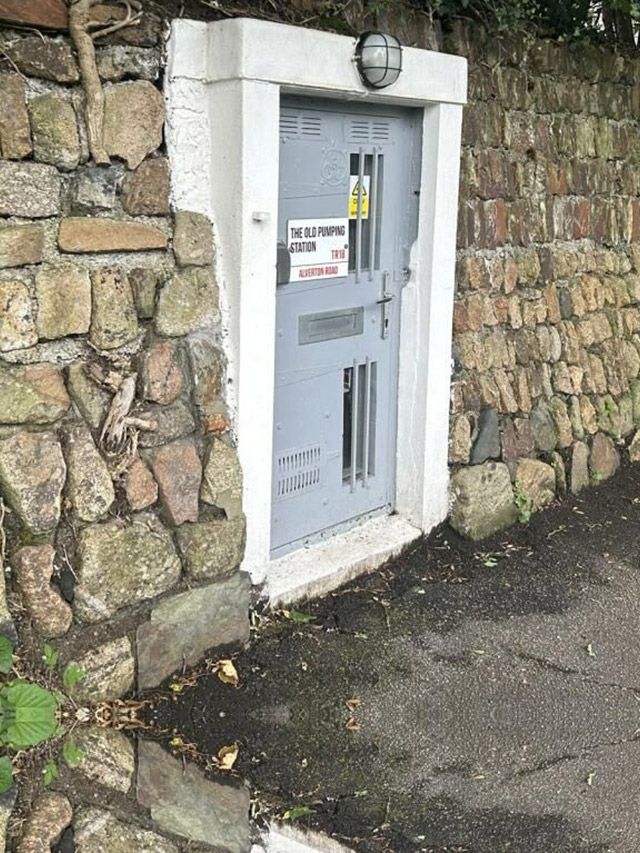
<point>319,248</point>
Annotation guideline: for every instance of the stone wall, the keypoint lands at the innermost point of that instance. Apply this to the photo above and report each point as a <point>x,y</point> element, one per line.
<point>121,524</point>
<point>121,490</point>
<point>547,307</point>
<point>108,299</point>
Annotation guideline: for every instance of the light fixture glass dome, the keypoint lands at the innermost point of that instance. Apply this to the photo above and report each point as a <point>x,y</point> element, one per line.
<point>379,59</point>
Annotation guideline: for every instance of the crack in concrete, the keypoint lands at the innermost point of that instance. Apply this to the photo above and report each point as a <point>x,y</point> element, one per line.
<point>585,753</point>
<point>565,670</point>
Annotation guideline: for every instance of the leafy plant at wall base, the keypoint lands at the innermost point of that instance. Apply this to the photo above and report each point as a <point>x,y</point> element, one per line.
<point>50,656</point>
<point>27,714</point>
<point>297,616</point>
<point>595,476</point>
<point>6,654</point>
<point>298,812</point>
<point>523,503</point>
<point>6,774</point>
<point>28,717</point>
<point>72,754</point>
<point>50,772</point>
<point>72,675</point>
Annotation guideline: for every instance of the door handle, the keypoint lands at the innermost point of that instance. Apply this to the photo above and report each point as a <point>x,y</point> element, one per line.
<point>385,298</point>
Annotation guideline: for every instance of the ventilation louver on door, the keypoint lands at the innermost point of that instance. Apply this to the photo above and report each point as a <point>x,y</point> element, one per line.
<point>300,126</point>
<point>365,130</point>
<point>299,470</point>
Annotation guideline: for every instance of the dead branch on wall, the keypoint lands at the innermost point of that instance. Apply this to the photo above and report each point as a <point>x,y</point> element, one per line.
<point>3,535</point>
<point>119,436</point>
<point>84,31</point>
<point>113,431</point>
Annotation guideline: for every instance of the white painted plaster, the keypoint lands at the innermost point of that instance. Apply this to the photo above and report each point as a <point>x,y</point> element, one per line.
<point>188,131</point>
<point>226,78</point>
<point>244,146</point>
<point>422,484</point>
<point>298,58</point>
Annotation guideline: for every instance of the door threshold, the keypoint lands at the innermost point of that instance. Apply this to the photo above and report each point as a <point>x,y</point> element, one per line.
<point>283,838</point>
<point>319,568</point>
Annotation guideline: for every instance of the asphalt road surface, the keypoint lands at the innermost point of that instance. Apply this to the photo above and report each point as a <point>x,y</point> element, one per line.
<point>496,688</point>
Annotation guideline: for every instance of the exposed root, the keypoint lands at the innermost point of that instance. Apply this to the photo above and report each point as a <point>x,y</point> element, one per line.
<point>119,436</point>
<point>120,464</point>
<point>120,715</point>
<point>80,30</point>
<point>131,19</point>
<point>113,433</point>
<point>7,58</point>
<point>140,423</point>
<point>109,378</point>
<point>79,25</point>
<point>3,535</point>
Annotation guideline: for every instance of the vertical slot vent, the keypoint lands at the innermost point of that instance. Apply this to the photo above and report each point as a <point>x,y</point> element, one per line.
<point>364,243</point>
<point>359,394</point>
<point>299,470</point>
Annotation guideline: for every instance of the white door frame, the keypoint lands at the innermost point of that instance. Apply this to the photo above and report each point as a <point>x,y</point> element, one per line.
<point>224,81</point>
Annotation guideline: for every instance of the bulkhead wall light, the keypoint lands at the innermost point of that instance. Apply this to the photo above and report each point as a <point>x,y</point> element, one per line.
<point>379,59</point>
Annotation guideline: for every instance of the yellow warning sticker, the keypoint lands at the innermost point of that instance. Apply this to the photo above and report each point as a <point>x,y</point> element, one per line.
<point>354,190</point>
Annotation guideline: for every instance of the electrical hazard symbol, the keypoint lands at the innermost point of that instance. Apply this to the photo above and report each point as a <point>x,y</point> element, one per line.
<point>354,190</point>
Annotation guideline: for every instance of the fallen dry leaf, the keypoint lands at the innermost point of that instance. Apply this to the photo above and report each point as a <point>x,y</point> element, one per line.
<point>227,672</point>
<point>227,756</point>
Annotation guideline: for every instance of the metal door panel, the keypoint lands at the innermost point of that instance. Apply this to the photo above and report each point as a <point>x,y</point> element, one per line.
<point>335,395</point>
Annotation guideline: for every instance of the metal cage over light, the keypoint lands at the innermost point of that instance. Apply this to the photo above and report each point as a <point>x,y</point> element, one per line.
<point>379,59</point>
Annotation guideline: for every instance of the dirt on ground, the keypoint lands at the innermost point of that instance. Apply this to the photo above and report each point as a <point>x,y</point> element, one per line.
<point>312,684</point>
<point>296,714</point>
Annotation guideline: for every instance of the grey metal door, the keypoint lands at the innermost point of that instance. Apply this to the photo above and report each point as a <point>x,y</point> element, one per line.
<point>347,214</point>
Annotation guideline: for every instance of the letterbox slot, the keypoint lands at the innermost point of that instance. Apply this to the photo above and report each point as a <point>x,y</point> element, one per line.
<point>329,325</point>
